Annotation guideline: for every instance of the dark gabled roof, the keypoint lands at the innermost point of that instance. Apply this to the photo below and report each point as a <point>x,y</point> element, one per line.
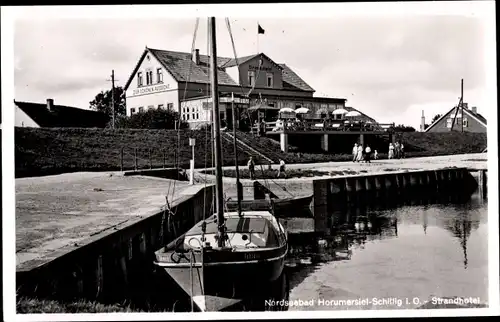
<point>293,81</point>
<point>181,67</point>
<point>241,60</point>
<point>62,116</point>
<point>476,115</point>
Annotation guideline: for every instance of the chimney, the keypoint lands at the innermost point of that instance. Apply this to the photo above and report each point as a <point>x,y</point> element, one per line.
<point>473,109</point>
<point>50,104</point>
<point>196,56</point>
<point>465,105</point>
<point>422,122</point>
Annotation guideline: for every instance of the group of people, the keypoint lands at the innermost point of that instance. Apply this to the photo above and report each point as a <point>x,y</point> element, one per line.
<point>396,150</point>
<point>363,154</point>
<point>251,168</point>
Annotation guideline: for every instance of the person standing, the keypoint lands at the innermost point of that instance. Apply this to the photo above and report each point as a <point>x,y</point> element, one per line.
<point>368,152</point>
<point>281,169</point>
<point>375,155</point>
<point>391,151</point>
<point>402,149</point>
<point>355,152</point>
<point>397,150</point>
<point>360,153</point>
<point>251,168</point>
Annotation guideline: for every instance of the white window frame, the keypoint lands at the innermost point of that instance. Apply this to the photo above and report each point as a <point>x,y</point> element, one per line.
<point>149,77</point>
<point>270,77</point>
<point>449,122</point>
<point>139,79</point>
<point>159,75</point>
<point>465,122</point>
<point>251,77</point>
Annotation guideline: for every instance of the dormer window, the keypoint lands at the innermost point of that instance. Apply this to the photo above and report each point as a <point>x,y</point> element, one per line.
<point>139,79</point>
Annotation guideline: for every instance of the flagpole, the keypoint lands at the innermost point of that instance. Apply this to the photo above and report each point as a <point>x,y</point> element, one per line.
<point>258,37</point>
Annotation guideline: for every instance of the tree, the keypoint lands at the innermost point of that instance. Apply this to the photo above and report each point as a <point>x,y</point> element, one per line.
<point>151,119</point>
<point>404,128</point>
<point>102,102</point>
<point>435,118</point>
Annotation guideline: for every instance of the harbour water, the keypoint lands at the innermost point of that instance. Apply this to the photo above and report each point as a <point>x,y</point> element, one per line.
<point>395,258</point>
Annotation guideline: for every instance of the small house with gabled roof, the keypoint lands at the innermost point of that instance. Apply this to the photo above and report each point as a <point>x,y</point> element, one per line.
<point>28,114</point>
<point>470,121</point>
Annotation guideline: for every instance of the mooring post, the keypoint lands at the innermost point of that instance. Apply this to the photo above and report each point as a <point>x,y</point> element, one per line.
<point>100,276</point>
<point>150,160</point>
<point>121,159</point>
<point>135,159</point>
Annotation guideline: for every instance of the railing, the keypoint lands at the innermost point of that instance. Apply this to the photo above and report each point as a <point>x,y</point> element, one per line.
<point>330,125</point>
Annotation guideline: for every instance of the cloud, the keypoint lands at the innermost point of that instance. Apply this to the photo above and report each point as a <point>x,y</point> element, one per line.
<point>388,67</point>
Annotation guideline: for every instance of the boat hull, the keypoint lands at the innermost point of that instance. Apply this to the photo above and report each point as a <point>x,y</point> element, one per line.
<point>229,281</point>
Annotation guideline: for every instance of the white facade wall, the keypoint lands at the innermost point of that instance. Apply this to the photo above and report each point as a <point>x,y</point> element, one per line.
<point>158,93</point>
<point>194,113</point>
<point>23,120</point>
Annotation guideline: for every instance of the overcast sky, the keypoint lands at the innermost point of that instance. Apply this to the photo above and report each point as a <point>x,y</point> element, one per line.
<point>389,67</point>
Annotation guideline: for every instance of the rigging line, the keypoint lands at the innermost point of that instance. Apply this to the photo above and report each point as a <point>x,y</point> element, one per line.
<point>183,98</point>
<point>228,24</point>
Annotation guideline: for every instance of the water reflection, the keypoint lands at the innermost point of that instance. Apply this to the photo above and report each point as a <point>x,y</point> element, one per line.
<point>436,245</point>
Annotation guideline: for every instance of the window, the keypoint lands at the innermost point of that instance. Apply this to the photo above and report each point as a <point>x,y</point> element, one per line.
<point>170,106</point>
<point>159,76</point>
<point>161,106</point>
<point>448,123</point>
<point>297,106</point>
<point>271,104</point>
<point>465,122</point>
<point>269,79</point>
<point>141,109</point>
<point>132,110</point>
<point>187,116</point>
<point>197,115</point>
<point>139,79</point>
<point>251,78</point>
<point>149,77</point>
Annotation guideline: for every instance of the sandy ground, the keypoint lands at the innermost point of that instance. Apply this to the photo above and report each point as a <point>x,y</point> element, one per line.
<point>56,211</point>
<point>295,187</point>
<point>53,212</point>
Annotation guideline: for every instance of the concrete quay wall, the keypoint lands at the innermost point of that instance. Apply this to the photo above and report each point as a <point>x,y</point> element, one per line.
<point>398,186</point>
<point>117,263</point>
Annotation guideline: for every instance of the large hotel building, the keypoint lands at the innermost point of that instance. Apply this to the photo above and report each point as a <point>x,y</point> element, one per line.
<point>180,81</point>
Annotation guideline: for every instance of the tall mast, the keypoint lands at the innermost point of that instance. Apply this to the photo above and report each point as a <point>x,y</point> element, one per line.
<point>238,189</point>
<point>217,141</point>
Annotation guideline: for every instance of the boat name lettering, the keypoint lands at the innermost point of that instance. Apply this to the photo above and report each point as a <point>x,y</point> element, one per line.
<point>251,256</point>
<point>153,89</point>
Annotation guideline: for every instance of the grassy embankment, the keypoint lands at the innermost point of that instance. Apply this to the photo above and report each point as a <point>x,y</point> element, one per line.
<point>30,305</point>
<point>54,151</point>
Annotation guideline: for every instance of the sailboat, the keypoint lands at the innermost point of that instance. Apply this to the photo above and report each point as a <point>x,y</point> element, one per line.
<point>231,254</point>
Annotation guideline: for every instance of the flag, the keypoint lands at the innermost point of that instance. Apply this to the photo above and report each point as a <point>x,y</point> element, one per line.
<point>260,30</point>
